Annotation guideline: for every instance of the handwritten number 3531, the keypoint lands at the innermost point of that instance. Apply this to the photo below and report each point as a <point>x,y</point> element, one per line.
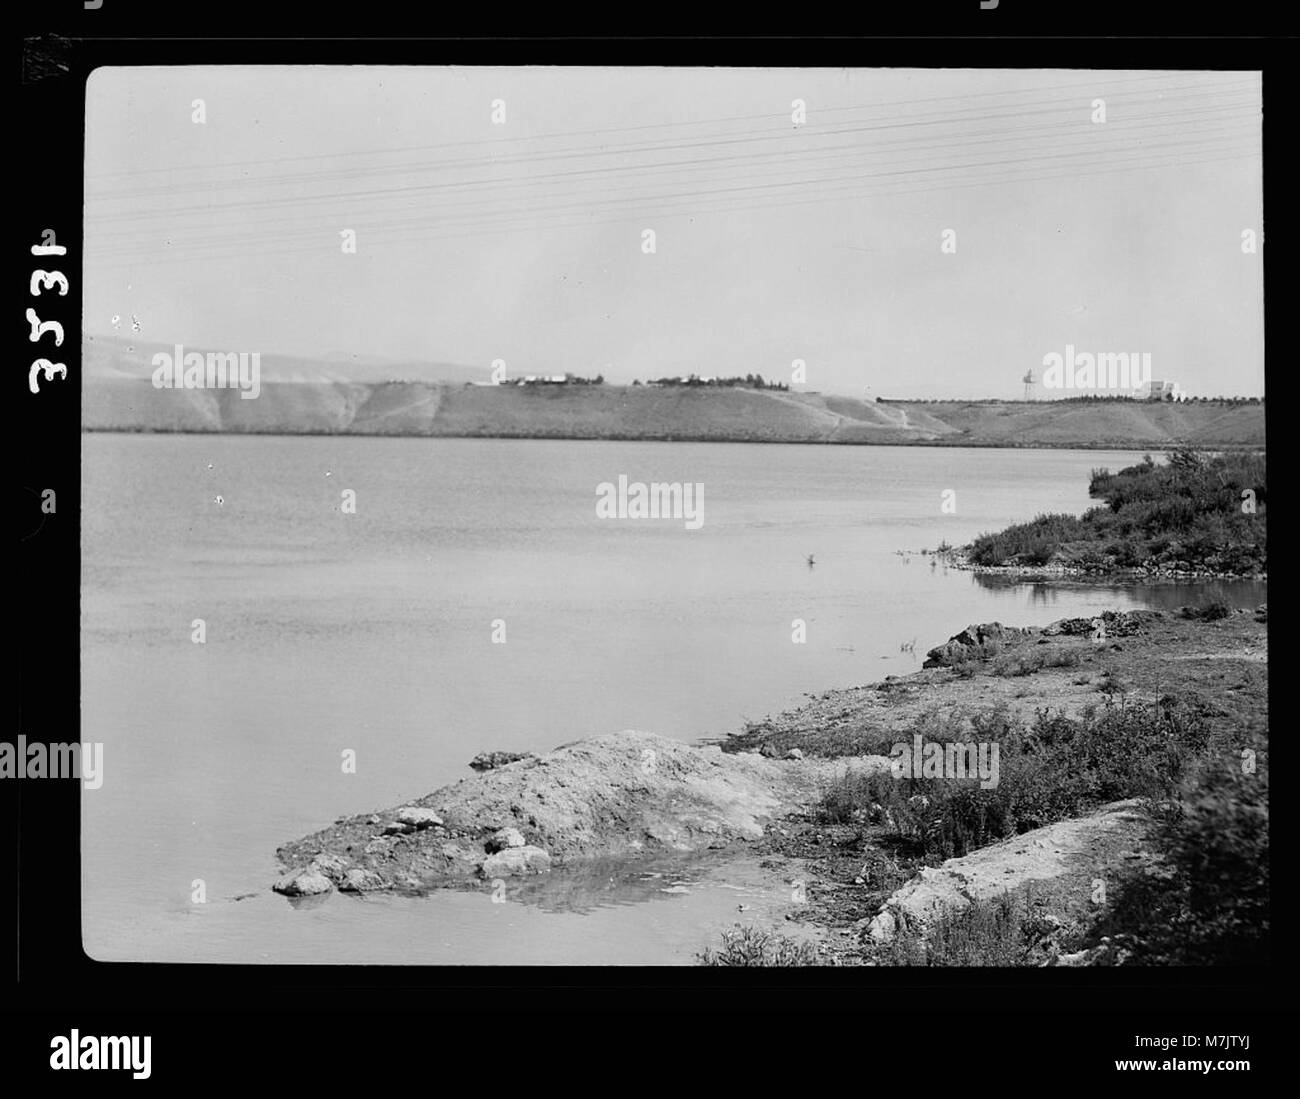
<point>46,280</point>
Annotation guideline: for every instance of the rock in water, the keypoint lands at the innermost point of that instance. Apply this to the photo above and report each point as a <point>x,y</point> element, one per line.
<point>516,860</point>
<point>331,866</point>
<point>303,883</point>
<point>357,880</point>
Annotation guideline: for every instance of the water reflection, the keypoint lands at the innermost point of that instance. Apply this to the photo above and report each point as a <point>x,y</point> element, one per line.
<point>1156,595</point>
<point>585,886</point>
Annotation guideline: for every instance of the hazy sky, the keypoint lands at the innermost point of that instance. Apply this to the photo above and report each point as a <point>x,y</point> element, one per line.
<point>522,241</point>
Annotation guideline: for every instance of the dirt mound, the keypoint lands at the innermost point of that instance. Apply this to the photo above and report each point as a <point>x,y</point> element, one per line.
<point>1061,862</point>
<point>618,795</point>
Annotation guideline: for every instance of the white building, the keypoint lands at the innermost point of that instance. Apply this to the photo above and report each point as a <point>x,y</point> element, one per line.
<point>1164,390</point>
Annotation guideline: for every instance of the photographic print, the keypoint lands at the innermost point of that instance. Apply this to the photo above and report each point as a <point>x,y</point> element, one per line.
<point>672,516</point>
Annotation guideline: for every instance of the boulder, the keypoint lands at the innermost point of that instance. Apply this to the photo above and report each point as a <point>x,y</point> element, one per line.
<point>332,866</point>
<point>417,817</point>
<point>973,643</point>
<point>303,883</point>
<point>516,860</point>
<point>504,839</point>
<point>490,761</point>
<point>1112,624</point>
<point>358,880</point>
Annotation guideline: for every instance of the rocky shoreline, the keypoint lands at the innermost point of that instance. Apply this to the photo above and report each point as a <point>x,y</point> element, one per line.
<point>958,559</point>
<point>863,884</point>
<point>633,795</point>
<point>621,795</point>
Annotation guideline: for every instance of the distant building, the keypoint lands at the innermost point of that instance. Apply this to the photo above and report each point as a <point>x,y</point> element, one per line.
<point>1164,391</point>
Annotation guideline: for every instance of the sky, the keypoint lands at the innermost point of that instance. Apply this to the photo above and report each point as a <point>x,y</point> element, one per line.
<point>500,214</point>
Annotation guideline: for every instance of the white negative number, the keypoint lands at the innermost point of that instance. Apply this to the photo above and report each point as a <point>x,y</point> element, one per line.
<point>48,368</point>
<point>40,327</point>
<point>48,279</point>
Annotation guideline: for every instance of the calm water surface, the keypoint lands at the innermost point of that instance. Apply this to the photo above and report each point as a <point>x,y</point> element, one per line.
<point>373,632</point>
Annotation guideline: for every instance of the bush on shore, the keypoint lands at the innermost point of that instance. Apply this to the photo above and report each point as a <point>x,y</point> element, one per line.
<point>985,933</point>
<point>1212,611</point>
<point>1208,903</point>
<point>1195,513</point>
<point>752,946</point>
<point>1204,900</point>
<point>1052,769</point>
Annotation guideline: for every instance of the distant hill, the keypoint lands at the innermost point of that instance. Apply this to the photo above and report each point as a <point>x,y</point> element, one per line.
<point>1101,423</point>
<point>117,357</point>
<point>301,396</point>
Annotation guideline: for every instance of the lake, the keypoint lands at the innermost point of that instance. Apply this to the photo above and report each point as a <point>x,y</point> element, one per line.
<point>466,596</point>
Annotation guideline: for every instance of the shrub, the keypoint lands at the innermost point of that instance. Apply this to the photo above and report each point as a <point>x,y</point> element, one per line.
<point>1212,611</point>
<point>1185,513</point>
<point>1056,768</point>
<point>985,933</point>
<point>1027,543</point>
<point>852,797</point>
<point>1209,903</point>
<point>751,946</point>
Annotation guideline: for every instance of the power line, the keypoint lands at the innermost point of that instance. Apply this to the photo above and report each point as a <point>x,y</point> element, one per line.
<point>1102,80</point>
<point>1084,142</point>
<point>263,239</point>
<point>831,195</point>
<point>1123,125</point>
<point>369,193</point>
<point>749,137</point>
